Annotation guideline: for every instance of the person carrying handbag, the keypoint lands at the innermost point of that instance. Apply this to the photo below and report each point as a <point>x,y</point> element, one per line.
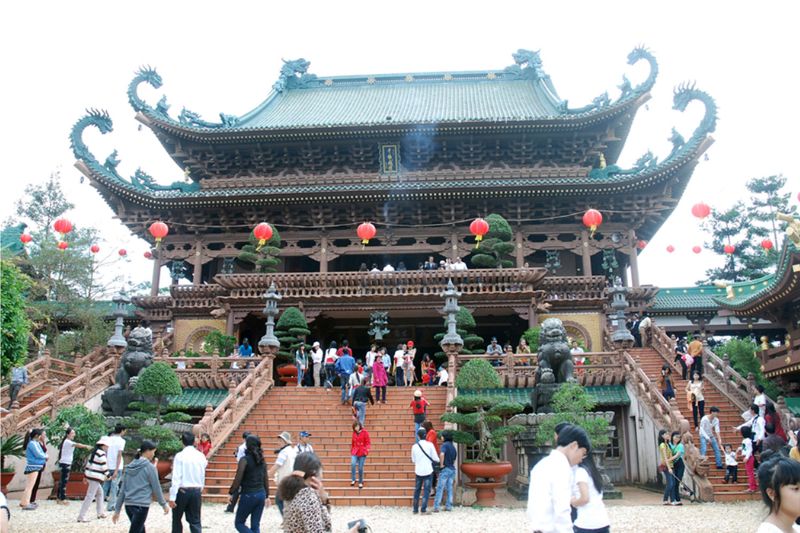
<point>422,455</point>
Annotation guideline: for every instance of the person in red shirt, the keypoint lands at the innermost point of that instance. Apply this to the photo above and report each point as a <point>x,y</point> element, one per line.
<point>431,437</point>
<point>359,449</point>
<point>204,445</point>
<point>419,406</point>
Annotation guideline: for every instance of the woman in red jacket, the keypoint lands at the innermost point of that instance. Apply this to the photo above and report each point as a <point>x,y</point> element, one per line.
<point>359,449</point>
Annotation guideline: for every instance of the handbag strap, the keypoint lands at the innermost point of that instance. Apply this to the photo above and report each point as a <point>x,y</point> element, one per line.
<point>419,443</point>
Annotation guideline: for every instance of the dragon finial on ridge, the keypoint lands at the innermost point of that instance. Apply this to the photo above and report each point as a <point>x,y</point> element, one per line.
<point>145,74</point>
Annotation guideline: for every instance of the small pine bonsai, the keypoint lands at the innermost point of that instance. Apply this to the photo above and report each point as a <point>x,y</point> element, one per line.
<point>291,330</point>
<point>158,381</point>
<point>531,336</point>
<point>266,258</point>
<point>486,414</point>
<point>496,247</point>
<point>465,327</point>
<point>571,403</point>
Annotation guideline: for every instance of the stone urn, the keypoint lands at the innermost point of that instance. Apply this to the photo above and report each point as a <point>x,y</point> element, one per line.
<point>491,477</point>
<point>288,374</point>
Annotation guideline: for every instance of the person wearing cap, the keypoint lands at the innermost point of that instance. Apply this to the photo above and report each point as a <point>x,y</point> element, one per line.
<point>188,479</point>
<point>304,445</point>
<point>494,348</point>
<point>316,361</point>
<point>419,406</point>
<point>284,463</point>
<point>96,473</point>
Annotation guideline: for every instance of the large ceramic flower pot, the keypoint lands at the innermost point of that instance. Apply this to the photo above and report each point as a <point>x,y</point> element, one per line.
<point>164,467</point>
<point>5,479</point>
<point>76,488</point>
<point>491,474</point>
<point>288,374</point>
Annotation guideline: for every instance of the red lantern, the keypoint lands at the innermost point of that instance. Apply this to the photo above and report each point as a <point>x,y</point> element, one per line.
<point>262,232</point>
<point>641,245</point>
<point>696,249</point>
<point>159,230</point>
<point>366,231</point>
<point>62,245</point>
<point>592,219</point>
<point>148,255</point>
<point>729,249</point>
<point>122,252</point>
<point>670,249</point>
<point>95,248</point>
<point>479,227</point>
<point>25,238</point>
<point>767,245</point>
<point>62,226</point>
<point>701,210</point>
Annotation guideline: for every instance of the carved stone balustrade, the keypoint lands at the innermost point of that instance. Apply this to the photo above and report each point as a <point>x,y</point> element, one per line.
<point>209,371</point>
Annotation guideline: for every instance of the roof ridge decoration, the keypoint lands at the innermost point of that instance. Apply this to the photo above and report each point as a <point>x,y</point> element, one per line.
<point>528,66</point>
<point>140,180</point>
<point>682,95</point>
<point>294,75</point>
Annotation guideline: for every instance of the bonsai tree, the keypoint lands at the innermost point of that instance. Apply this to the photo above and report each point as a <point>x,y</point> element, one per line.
<point>571,403</point>
<point>166,439</point>
<point>88,426</point>
<point>465,326</point>
<point>496,247</point>
<point>291,330</point>
<point>486,414</point>
<point>264,259</point>
<point>158,381</point>
<point>531,336</point>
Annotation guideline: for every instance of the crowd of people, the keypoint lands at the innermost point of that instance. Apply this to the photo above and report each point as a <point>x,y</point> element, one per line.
<point>429,264</point>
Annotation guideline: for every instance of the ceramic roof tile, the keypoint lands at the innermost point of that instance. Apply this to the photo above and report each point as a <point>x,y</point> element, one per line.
<point>199,398</point>
<point>687,298</point>
<point>604,395</point>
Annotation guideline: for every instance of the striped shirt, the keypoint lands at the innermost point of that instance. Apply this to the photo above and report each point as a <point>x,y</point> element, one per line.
<point>97,467</point>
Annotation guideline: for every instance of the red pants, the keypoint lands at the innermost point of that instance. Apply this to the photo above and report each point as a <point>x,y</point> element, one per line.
<point>751,475</point>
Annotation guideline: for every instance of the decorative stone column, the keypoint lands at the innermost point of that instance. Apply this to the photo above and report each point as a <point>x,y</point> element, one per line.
<point>117,341</point>
<point>452,342</point>
<point>620,335</point>
<point>269,343</point>
<point>634,258</point>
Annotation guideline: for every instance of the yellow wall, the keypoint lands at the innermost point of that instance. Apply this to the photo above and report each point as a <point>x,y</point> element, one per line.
<point>185,326</point>
<point>592,322</point>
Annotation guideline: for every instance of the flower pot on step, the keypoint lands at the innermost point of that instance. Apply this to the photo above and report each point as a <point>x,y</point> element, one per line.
<point>485,478</point>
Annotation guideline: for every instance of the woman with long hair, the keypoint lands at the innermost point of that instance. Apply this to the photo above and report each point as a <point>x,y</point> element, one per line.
<point>592,515</point>
<point>771,416</point>
<point>359,449</point>
<point>138,486</point>
<point>306,508</point>
<point>678,466</point>
<point>665,465</point>
<point>779,482</point>
<point>694,395</point>
<point>379,379</point>
<point>96,473</point>
<point>252,479</point>
<point>66,452</point>
<point>330,365</point>
<point>35,460</point>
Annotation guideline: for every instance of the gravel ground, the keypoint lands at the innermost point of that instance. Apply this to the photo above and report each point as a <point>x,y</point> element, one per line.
<point>706,518</point>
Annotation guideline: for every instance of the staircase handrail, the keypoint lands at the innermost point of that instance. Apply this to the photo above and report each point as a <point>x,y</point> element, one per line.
<point>667,415</point>
<point>219,423</point>
<point>39,373</point>
<point>89,382</point>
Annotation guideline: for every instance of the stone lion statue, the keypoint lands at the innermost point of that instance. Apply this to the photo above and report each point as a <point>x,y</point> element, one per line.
<point>555,359</point>
<point>138,356</point>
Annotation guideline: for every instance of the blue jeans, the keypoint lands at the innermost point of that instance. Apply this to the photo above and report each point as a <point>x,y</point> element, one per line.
<point>422,483</point>
<point>668,489</point>
<point>330,375</point>
<point>300,373</point>
<point>678,468</point>
<point>279,504</point>
<point>361,410</point>
<point>357,461</point>
<point>137,514</point>
<point>111,488</point>
<point>399,377</point>
<point>714,445</point>
<point>250,504</point>
<point>447,477</point>
<point>344,378</point>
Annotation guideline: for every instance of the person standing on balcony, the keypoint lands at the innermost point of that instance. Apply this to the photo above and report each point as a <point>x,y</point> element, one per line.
<point>359,450</point>
<point>301,362</point>
<point>695,349</point>
<point>458,264</point>
<point>495,351</point>
<point>330,365</point>
<point>115,464</point>
<point>709,432</point>
<point>523,348</point>
<point>245,350</point>
<point>188,479</point>
<point>345,365</point>
<point>19,378</point>
<point>646,330</point>
<point>284,464</point>
<point>316,360</point>
<point>379,379</point>
<point>361,396</point>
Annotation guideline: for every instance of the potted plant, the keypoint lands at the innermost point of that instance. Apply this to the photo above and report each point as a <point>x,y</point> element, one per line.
<point>487,415</point>
<point>89,427</point>
<point>571,403</point>
<point>167,442</point>
<point>291,330</point>
<point>158,381</point>
<point>11,446</point>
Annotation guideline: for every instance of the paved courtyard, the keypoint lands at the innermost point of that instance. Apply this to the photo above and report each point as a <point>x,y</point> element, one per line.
<point>626,516</point>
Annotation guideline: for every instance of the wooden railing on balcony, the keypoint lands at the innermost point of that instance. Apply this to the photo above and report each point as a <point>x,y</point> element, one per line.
<point>783,356</point>
<point>219,423</point>
<point>216,373</point>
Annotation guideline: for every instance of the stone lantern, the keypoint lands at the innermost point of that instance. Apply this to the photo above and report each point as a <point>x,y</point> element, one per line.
<point>269,340</point>
<point>620,335</point>
<point>121,301</point>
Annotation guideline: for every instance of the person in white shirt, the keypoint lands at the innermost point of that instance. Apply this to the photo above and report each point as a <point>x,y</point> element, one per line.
<point>731,465</point>
<point>756,425</point>
<point>760,400</point>
<point>240,452</point>
<point>188,479</point>
<point>399,375</point>
<point>592,515</point>
<point>645,329</point>
<point>458,264</point>
<point>316,359</point>
<point>115,464</point>
<point>443,376</point>
<point>369,359</point>
<point>551,485</point>
<point>780,479</point>
<point>388,268</point>
<point>423,455</point>
<point>709,432</point>
<point>284,464</point>
<point>66,453</point>
<point>304,445</point>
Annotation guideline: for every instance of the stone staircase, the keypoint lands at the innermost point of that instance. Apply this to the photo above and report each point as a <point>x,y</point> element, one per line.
<point>388,472</point>
<point>729,415</point>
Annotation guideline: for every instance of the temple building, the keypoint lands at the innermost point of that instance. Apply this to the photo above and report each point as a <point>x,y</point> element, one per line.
<point>419,155</point>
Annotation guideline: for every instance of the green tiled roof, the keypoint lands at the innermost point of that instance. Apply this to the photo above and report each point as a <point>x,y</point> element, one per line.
<point>794,405</point>
<point>748,292</point>
<point>9,240</point>
<point>605,395</point>
<point>687,298</point>
<point>105,307</point>
<point>199,398</point>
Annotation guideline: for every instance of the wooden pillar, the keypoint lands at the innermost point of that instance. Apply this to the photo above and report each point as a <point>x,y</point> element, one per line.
<point>156,279</point>
<point>198,262</point>
<point>634,259</point>
<point>323,254</point>
<point>585,254</point>
<point>518,245</point>
<point>229,323</point>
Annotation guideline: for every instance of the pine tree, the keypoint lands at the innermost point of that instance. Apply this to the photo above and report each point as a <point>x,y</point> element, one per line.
<point>266,258</point>
<point>291,330</point>
<point>766,201</point>
<point>465,327</point>
<point>496,246</point>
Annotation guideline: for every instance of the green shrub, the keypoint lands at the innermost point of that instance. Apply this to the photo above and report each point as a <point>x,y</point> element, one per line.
<point>531,336</point>
<point>571,403</point>
<point>496,247</point>
<point>176,416</point>
<point>223,344</point>
<point>158,381</point>
<point>478,374</point>
<point>15,324</point>
<point>742,356</point>
<point>88,426</point>
<point>291,329</point>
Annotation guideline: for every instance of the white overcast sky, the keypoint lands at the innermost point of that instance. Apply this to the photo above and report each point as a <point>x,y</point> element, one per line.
<point>62,57</point>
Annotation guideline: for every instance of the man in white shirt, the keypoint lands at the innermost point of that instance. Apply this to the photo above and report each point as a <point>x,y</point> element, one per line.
<point>115,464</point>
<point>709,432</point>
<point>756,425</point>
<point>399,376</point>
<point>443,375</point>
<point>284,464</point>
<point>188,479</point>
<point>240,451</point>
<point>423,454</point>
<point>458,264</point>
<point>369,359</point>
<point>388,268</point>
<point>316,359</point>
<point>761,400</point>
<point>551,482</point>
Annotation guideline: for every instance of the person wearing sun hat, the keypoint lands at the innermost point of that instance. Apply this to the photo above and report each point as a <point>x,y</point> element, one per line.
<point>96,473</point>
<point>284,463</point>
<point>419,406</point>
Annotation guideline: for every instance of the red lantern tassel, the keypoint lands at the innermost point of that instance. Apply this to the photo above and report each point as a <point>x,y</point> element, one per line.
<point>261,243</point>
<point>478,239</point>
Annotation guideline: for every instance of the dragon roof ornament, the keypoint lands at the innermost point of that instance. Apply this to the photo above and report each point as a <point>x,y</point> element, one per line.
<point>294,75</point>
